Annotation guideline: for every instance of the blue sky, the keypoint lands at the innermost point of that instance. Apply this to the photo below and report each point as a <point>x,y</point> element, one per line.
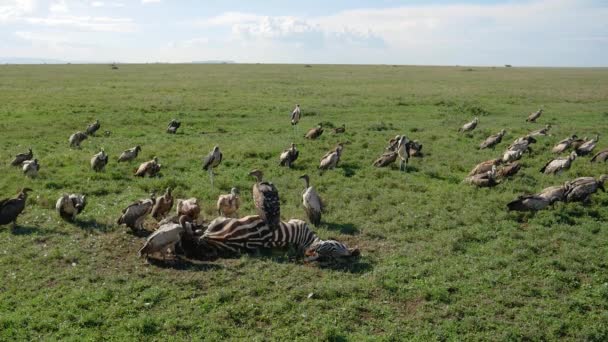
<point>463,32</point>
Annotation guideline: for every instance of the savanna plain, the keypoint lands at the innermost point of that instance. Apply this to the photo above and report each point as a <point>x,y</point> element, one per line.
<point>440,260</point>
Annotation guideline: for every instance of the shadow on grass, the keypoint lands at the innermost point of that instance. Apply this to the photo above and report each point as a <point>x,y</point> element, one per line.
<point>351,265</point>
<point>184,264</point>
<point>349,169</point>
<point>343,228</point>
<point>23,230</point>
<point>92,225</point>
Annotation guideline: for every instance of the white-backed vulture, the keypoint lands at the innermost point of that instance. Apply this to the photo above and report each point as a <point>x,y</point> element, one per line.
<point>580,189</point>
<point>508,170</point>
<point>392,143</point>
<point>528,203</point>
<point>229,204</point>
<point>493,140</point>
<point>469,126</point>
<point>163,205</point>
<point>564,144</point>
<point>288,156</point>
<point>188,207</point>
<point>314,133</point>
<point>99,161</point>
<point>415,148</point>
<point>31,168</point>
<point>266,200</point>
<point>535,115</point>
<point>295,115</point>
<point>522,143</point>
<point>11,208</point>
<point>92,128</point>
<point>173,126</point>
<point>554,193</point>
<point>588,146</point>
<point>558,165</point>
<point>130,154</point>
<point>150,168</point>
<point>331,159</point>
<point>512,155</point>
<point>542,131</point>
<point>134,215</point>
<point>76,139</point>
<point>340,129</point>
<point>68,206</point>
<point>166,237</point>
<point>487,179</point>
<point>386,159</point>
<point>601,156</point>
<point>313,205</point>
<point>484,167</point>
<point>21,157</point>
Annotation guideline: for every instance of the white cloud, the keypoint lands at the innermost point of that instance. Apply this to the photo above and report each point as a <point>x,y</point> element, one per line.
<point>106,24</point>
<point>13,9</point>
<point>107,4</point>
<point>150,1</point>
<point>59,7</point>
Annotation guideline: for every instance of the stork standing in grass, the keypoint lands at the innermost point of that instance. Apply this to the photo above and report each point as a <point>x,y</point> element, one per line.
<point>313,205</point>
<point>403,151</point>
<point>211,161</point>
<point>295,118</point>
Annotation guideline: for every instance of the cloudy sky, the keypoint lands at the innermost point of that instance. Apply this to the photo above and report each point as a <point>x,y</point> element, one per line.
<point>441,32</point>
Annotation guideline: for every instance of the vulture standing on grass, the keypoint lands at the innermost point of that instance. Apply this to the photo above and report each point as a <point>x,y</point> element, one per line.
<point>392,143</point>
<point>188,207</point>
<point>601,156</point>
<point>150,168</point>
<point>99,161</point>
<point>68,206</point>
<point>415,148</point>
<point>487,179</point>
<point>173,126</point>
<point>508,170</point>
<point>558,165</point>
<point>130,154</point>
<point>331,159</point>
<point>314,133</point>
<point>92,128</point>
<point>134,215</point>
<point>576,143</point>
<point>76,139</point>
<point>554,193</point>
<point>522,143</point>
<point>266,200</point>
<point>289,156</point>
<point>493,140</point>
<point>533,116</point>
<point>295,115</point>
<point>11,208</point>
<point>21,157</point>
<point>528,203</point>
<point>563,145</point>
<point>166,237</point>
<point>313,205</point>
<point>340,129</point>
<point>163,205</point>
<point>386,159</point>
<point>484,167</point>
<point>588,146</point>
<point>228,205</point>
<point>512,155</point>
<point>31,168</point>
<point>469,126</point>
<point>542,131</point>
<point>581,189</point>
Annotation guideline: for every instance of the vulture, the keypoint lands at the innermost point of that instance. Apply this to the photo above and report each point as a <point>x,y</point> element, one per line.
<point>533,116</point>
<point>564,144</point>
<point>558,165</point>
<point>601,156</point>
<point>21,157</point>
<point>163,205</point>
<point>512,155</point>
<point>415,149</point>
<point>77,138</point>
<point>173,126</point>
<point>295,115</point>
<point>469,126</point>
<point>92,128</point>
<point>392,143</point>
<point>340,129</point>
<point>99,161</point>
<point>493,140</point>
<point>313,205</point>
<point>150,168</point>
<point>188,207</point>
<point>134,215</point>
<point>522,143</point>
<point>508,170</point>
<point>588,146</point>
<point>314,133</point>
<point>553,193</point>
<point>386,159</point>
<point>31,168</point>
<point>487,179</point>
<point>580,189</point>
<point>542,131</point>
<point>330,159</point>
<point>228,205</point>
<point>266,200</point>
<point>288,156</point>
<point>166,237</point>
<point>213,159</point>
<point>130,154</point>
<point>10,208</point>
<point>68,206</point>
<point>403,151</point>
<point>576,143</point>
<point>484,167</point>
<point>528,203</point>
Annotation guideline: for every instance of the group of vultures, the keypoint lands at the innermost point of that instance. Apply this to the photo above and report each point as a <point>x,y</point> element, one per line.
<point>184,233</point>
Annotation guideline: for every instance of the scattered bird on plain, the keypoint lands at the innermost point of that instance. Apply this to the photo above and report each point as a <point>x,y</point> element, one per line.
<point>163,205</point>
<point>493,140</point>
<point>150,168</point>
<point>331,159</point>
<point>535,115</point>
<point>188,207</point>
<point>522,143</point>
<point>11,208</point>
<point>165,238</point>
<point>588,146</point>
<point>92,128</point>
<point>558,165</point>
<point>314,133</point>
<point>266,199</point>
<point>581,189</point>
<point>229,204</point>
<point>469,126</point>
<point>508,170</point>
<point>31,168</point>
<point>386,159</point>
<point>21,157</point>
<point>485,166</point>
<point>173,126</point>
<point>340,129</point>
<point>542,131</point>
<point>564,144</point>
<point>512,155</point>
<point>295,115</point>
<point>134,215</point>
<point>601,156</point>
<point>487,179</point>
<point>289,156</point>
<point>68,206</point>
<point>130,154</point>
<point>76,139</point>
<point>313,205</point>
<point>211,161</point>
<point>99,161</point>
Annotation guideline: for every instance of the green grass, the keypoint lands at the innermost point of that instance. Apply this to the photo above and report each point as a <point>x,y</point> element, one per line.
<point>440,260</point>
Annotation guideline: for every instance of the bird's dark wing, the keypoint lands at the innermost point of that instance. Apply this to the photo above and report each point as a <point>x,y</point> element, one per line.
<point>545,167</point>
<point>295,155</point>
<point>207,161</point>
<point>221,157</point>
<point>10,209</point>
